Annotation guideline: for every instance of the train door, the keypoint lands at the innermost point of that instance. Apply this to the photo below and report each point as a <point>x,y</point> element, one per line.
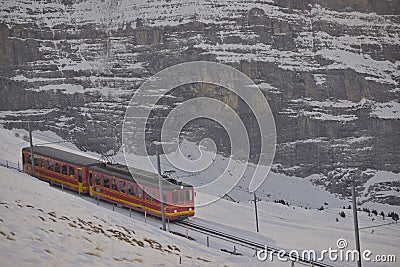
<point>80,186</point>
<point>27,163</point>
<point>91,183</point>
<point>24,161</point>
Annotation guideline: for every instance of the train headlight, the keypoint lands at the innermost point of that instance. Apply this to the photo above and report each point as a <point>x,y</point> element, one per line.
<point>175,211</point>
<point>190,209</point>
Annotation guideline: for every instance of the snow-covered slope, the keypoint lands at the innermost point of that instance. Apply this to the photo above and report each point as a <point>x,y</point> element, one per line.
<point>43,226</point>
<point>291,227</point>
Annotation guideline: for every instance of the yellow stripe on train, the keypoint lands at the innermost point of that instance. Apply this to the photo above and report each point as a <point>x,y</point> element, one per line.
<point>188,212</point>
<point>46,177</point>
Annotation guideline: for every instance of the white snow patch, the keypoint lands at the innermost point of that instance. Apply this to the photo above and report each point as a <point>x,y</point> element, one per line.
<point>389,110</point>
<point>65,88</point>
<point>329,117</point>
<point>26,112</point>
<point>383,71</point>
<point>319,78</point>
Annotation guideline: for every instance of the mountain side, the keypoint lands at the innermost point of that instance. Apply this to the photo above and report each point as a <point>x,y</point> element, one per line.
<point>329,69</point>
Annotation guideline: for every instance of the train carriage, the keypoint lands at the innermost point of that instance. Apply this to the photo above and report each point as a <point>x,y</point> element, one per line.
<point>115,183</point>
<point>59,167</point>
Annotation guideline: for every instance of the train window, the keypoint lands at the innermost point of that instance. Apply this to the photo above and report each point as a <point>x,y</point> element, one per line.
<point>189,195</point>
<point>97,179</point>
<point>36,160</point>
<point>57,167</point>
<point>50,166</point>
<point>181,196</point>
<point>174,197</point>
<point>114,184</point>
<point>131,189</point>
<point>147,194</point>
<point>43,164</point>
<point>90,178</point>
<point>122,186</point>
<point>71,171</point>
<point>106,182</point>
<point>64,169</point>
<point>140,191</point>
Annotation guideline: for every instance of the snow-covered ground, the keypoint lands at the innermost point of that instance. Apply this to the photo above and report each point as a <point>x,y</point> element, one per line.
<point>43,226</point>
<point>291,227</point>
<point>59,228</point>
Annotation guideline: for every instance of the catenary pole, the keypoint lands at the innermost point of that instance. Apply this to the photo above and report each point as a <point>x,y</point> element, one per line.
<point>160,188</point>
<point>31,145</point>
<point>255,208</point>
<point>356,232</point>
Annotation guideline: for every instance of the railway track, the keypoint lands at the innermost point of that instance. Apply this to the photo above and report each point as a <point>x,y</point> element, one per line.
<point>248,243</point>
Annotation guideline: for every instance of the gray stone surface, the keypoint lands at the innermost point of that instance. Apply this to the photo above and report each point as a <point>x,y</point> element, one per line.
<point>86,64</point>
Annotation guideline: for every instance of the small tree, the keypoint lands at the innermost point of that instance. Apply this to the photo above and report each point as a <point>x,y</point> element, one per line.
<point>25,138</point>
<point>393,215</point>
<point>281,201</point>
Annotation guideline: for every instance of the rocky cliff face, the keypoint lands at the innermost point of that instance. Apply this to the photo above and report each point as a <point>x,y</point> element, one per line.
<point>329,69</point>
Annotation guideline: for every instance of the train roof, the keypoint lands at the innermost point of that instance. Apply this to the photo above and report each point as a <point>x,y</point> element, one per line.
<point>136,175</point>
<point>62,155</point>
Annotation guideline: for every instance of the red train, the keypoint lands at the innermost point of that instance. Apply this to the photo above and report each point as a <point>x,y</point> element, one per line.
<point>110,182</point>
